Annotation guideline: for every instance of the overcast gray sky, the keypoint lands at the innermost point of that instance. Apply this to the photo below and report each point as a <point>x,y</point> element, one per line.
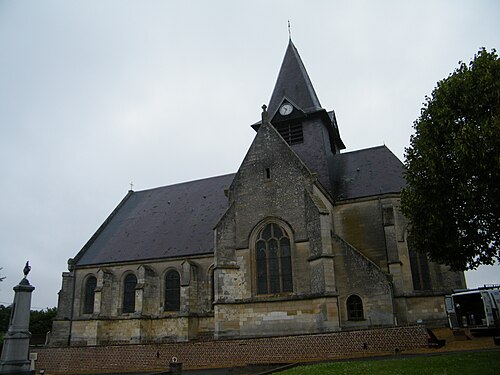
<point>95,94</point>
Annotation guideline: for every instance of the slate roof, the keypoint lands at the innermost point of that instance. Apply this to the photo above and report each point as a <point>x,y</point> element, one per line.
<point>170,221</point>
<point>178,220</point>
<point>294,84</point>
<point>366,172</point>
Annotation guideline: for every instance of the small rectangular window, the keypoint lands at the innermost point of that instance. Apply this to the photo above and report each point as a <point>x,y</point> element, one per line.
<point>268,173</point>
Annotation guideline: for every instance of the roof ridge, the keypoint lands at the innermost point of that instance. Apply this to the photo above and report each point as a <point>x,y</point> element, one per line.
<point>185,182</point>
<point>365,149</point>
<point>101,228</point>
<point>302,67</point>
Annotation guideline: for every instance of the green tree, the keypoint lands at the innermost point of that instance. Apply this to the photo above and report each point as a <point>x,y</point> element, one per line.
<point>4,317</point>
<point>41,320</point>
<point>4,321</point>
<point>453,168</point>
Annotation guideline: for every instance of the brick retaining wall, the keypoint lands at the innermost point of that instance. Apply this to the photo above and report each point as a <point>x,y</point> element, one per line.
<point>226,353</point>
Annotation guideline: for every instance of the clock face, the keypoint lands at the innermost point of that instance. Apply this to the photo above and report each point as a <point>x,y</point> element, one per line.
<point>286,109</point>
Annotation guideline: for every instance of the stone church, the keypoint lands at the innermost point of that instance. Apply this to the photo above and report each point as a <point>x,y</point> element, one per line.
<point>302,239</point>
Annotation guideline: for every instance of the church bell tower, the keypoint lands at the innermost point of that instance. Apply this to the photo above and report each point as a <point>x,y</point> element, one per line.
<point>295,111</point>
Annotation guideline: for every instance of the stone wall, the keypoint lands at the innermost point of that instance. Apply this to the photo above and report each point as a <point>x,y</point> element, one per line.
<point>149,322</point>
<point>227,353</point>
<point>428,309</point>
<point>376,228</point>
<point>150,289</point>
<point>356,275</point>
<point>133,330</point>
<point>360,223</point>
<point>298,315</point>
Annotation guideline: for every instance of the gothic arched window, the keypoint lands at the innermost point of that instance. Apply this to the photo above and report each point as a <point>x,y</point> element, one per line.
<point>88,304</point>
<point>354,308</point>
<point>129,285</point>
<point>419,265</point>
<point>172,291</point>
<point>273,260</point>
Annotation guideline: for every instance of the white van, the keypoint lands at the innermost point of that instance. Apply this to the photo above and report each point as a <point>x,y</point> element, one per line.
<point>475,308</point>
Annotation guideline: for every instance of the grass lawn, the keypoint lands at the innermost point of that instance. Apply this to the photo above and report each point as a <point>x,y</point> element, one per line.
<point>484,363</point>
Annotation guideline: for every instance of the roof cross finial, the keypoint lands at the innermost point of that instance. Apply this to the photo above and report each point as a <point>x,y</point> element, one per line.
<point>265,115</point>
<point>289,31</point>
<point>131,186</point>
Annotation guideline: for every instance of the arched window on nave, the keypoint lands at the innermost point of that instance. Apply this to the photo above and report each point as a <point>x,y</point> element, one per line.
<point>88,304</point>
<point>172,291</point>
<point>129,285</point>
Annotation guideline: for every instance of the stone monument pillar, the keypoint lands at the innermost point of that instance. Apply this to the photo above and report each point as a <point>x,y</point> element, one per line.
<point>15,350</point>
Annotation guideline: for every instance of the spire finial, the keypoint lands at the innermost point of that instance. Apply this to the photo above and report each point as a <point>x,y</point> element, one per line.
<point>131,186</point>
<point>289,31</point>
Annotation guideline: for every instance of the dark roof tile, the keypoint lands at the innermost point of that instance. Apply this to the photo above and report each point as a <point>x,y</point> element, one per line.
<point>367,172</point>
<point>178,220</point>
<point>170,221</point>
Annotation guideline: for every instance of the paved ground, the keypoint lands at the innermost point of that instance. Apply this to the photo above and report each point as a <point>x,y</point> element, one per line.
<point>249,370</point>
<point>454,342</point>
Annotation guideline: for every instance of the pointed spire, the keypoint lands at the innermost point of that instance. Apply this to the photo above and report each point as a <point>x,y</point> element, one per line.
<point>293,83</point>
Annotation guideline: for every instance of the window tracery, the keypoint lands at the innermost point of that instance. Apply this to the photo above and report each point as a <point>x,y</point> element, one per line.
<point>354,308</point>
<point>273,261</point>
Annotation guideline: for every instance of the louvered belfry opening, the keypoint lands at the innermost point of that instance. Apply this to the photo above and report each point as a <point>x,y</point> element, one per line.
<point>291,132</point>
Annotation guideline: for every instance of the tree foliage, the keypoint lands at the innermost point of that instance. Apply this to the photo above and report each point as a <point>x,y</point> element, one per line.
<point>40,320</point>
<point>453,168</point>
<point>4,318</point>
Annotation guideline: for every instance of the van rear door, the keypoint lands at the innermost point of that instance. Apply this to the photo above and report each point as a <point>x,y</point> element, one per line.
<point>450,311</point>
